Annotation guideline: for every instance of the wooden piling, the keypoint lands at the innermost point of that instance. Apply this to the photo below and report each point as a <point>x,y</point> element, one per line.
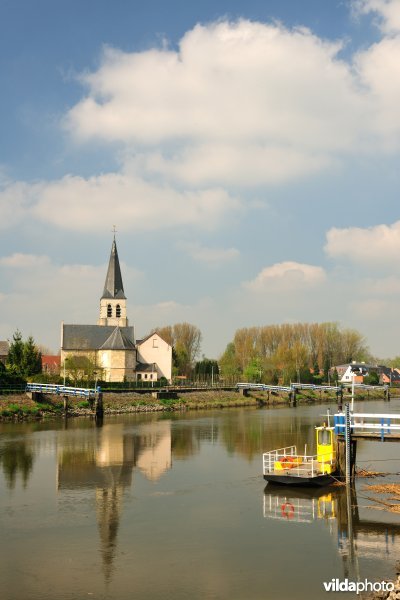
<point>65,402</point>
<point>341,457</point>
<point>98,405</point>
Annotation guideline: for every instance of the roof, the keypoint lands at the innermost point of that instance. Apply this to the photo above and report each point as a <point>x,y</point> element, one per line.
<point>145,368</point>
<point>91,337</point>
<point>138,342</point>
<point>118,341</point>
<point>51,360</point>
<point>4,348</point>
<point>113,287</point>
<point>357,365</point>
<point>392,374</point>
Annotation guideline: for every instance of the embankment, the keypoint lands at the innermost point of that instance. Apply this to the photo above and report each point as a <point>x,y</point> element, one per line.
<point>20,407</point>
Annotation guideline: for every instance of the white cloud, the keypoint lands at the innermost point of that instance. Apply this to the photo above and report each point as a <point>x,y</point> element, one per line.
<point>387,10</point>
<point>379,71</point>
<point>134,204</point>
<point>378,245</point>
<point>15,202</point>
<point>22,261</point>
<point>288,274</point>
<point>210,256</point>
<point>242,102</point>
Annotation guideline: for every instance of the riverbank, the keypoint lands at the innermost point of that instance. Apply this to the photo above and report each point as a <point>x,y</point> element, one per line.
<point>21,407</point>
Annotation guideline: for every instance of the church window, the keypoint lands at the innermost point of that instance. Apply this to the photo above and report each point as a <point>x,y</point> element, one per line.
<point>109,310</point>
<point>118,311</point>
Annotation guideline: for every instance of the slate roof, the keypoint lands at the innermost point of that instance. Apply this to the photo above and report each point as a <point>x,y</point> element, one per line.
<point>113,287</point>
<point>92,337</point>
<point>118,341</point>
<point>393,375</point>
<point>4,347</point>
<point>145,368</point>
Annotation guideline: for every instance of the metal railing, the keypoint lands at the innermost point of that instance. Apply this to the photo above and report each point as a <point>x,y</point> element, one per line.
<point>385,423</point>
<point>62,390</point>
<point>294,464</point>
<point>308,386</point>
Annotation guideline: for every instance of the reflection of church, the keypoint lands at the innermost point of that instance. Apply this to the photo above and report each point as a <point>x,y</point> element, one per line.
<point>103,460</point>
<point>110,345</point>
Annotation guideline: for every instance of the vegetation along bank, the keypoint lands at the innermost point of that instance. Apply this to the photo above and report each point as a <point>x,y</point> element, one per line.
<point>21,407</point>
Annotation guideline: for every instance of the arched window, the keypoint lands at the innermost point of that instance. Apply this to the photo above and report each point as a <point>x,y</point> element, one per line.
<point>109,310</point>
<point>118,311</point>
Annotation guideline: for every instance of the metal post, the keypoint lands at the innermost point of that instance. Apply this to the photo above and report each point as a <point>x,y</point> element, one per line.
<point>347,445</point>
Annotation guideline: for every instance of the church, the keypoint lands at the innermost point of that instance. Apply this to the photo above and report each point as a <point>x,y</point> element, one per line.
<point>110,345</point>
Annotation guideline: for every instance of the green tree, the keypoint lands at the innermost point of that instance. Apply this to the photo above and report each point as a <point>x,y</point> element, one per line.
<point>253,372</point>
<point>15,354</point>
<point>31,358</point>
<point>372,378</point>
<point>82,368</point>
<point>229,365</point>
<point>206,369</point>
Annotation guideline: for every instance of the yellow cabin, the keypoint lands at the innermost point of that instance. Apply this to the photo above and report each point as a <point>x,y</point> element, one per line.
<point>325,447</point>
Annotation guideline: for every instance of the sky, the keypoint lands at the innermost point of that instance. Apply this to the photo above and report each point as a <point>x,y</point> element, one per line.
<point>246,152</point>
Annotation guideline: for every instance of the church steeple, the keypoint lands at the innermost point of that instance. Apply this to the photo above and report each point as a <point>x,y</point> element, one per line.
<point>113,287</point>
<point>113,300</point>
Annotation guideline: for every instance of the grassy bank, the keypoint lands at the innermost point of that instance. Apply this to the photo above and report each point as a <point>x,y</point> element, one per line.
<point>21,407</point>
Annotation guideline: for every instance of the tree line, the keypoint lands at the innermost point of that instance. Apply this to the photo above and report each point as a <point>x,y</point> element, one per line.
<point>291,352</point>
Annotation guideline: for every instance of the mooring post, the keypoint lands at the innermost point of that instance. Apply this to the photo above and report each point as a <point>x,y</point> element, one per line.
<point>65,399</point>
<point>292,397</point>
<point>98,405</point>
<point>347,444</point>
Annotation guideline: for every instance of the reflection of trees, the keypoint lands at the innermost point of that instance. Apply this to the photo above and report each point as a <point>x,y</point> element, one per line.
<point>252,437</point>
<point>184,442</point>
<point>16,457</point>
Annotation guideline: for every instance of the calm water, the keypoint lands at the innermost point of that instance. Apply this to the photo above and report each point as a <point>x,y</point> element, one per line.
<point>174,506</point>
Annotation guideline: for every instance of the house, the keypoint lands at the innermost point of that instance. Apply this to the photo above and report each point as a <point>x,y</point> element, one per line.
<point>390,376</point>
<point>355,369</point>
<point>109,348</point>
<point>4,348</point>
<point>51,364</point>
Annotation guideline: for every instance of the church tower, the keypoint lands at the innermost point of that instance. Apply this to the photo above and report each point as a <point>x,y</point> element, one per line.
<point>113,300</point>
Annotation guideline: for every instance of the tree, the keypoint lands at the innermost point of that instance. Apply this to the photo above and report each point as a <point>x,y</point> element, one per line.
<point>229,364</point>
<point>186,342</point>
<point>253,371</point>
<point>81,368</point>
<point>31,358</point>
<point>206,369</point>
<point>15,354</point>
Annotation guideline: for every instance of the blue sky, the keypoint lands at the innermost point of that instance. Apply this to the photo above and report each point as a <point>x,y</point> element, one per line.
<point>248,154</point>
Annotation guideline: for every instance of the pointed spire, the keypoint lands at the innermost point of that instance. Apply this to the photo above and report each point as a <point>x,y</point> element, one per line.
<point>113,287</point>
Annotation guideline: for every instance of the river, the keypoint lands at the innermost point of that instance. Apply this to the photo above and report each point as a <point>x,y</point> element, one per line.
<point>173,506</point>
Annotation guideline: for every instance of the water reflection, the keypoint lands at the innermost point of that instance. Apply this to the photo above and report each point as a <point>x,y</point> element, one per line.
<point>359,531</point>
<point>103,459</point>
<point>16,457</point>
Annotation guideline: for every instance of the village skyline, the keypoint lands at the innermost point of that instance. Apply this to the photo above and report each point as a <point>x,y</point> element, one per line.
<point>247,155</point>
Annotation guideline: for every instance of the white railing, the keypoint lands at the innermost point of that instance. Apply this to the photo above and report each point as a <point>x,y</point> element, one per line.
<point>385,423</point>
<point>62,390</point>
<point>293,464</point>
<point>289,509</point>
